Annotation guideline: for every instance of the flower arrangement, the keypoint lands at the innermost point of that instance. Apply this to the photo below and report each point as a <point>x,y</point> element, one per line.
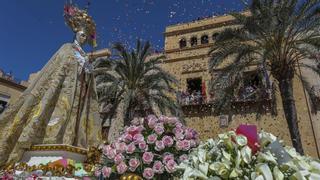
<point>150,147</point>
<point>62,168</point>
<point>245,154</point>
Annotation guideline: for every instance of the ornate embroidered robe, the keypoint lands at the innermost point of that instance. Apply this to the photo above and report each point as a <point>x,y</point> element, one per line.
<point>59,107</point>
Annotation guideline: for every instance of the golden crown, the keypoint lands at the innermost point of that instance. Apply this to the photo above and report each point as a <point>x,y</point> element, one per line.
<point>78,19</point>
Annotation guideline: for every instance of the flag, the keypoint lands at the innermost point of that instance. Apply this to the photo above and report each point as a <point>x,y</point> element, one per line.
<point>203,90</point>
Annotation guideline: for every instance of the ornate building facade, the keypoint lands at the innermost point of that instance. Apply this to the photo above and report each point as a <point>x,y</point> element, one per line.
<point>186,49</point>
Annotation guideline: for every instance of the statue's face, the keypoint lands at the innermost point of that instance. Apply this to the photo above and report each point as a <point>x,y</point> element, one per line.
<point>81,37</point>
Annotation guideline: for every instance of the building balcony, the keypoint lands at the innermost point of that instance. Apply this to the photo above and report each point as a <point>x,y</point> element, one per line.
<point>250,101</point>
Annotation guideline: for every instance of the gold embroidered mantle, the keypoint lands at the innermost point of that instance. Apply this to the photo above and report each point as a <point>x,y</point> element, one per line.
<point>46,113</point>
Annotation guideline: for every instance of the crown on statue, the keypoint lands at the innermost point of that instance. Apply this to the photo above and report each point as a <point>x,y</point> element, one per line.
<point>78,19</point>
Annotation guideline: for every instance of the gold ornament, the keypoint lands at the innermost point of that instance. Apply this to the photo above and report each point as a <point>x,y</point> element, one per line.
<point>78,19</point>
<point>130,176</point>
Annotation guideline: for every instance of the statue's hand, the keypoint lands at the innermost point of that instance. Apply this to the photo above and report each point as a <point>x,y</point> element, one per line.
<point>100,53</point>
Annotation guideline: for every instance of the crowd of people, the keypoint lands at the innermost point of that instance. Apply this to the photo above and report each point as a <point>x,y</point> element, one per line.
<point>191,97</point>
<point>252,92</point>
<point>246,93</point>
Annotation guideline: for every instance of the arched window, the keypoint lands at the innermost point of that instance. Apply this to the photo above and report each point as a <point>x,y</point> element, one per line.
<point>182,43</point>
<point>214,36</point>
<point>193,41</point>
<point>204,39</point>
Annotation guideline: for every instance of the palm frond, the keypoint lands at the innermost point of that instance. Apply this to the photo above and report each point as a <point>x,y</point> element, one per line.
<point>136,82</point>
<point>313,68</point>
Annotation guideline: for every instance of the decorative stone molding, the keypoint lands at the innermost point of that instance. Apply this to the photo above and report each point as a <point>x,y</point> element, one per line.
<point>193,67</point>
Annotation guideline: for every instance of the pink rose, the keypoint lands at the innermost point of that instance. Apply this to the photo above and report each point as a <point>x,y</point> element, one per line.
<point>171,120</point>
<point>152,139</point>
<point>162,118</point>
<point>147,157</point>
<point>97,172</point>
<point>179,136</point>
<point>143,146</point>
<point>141,128</point>
<point>152,121</point>
<point>159,129</point>
<point>179,145</point>
<point>10,177</point>
<point>118,159</point>
<point>131,148</point>
<point>133,130</point>
<point>133,163</point>
<point>179,125</point>
<point>193,143</point>
<point>148,173</point>
<point>178,130</point>
<point>109,152</point>
<point>106,149</point>
<point>127,137</point>
<point>190,133</point>
<point>170,166</point>
<point>183,157</point>
<point>122,168</point>
<point>168,141</point>
<point>120,147</point>
<point>186,145</point>
<point>158,167</point>
<point>167,157</point>
<point>106,172</point>
<point>159,146</point>
<point>138,138</point>
<point>70,10</point>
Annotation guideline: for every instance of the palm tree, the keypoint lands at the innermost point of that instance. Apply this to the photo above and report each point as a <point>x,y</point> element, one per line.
<point>135,83</point>
<point>279,37</point>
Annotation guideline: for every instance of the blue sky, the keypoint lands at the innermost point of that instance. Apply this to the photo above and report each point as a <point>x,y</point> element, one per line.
<point>32,30</point>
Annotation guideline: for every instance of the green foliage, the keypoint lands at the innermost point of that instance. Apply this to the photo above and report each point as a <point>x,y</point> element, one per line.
<point>135,81</point>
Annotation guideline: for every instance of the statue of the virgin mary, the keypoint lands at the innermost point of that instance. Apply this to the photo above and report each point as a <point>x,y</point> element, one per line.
<point>60,105</point>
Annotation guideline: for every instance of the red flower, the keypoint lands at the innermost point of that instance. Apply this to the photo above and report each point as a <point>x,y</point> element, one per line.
<point>250,131</point>
<point>69,10</point>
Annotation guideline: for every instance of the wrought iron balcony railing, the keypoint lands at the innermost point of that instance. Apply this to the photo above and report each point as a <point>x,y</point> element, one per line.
<point>251,100</point>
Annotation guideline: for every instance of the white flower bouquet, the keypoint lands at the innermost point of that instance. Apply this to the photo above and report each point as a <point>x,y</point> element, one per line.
<point>245,154</point>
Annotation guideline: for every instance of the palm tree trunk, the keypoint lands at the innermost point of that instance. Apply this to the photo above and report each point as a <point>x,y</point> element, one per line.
<point>290,112</point>
<point>128,118</point>
<point>117,123</point>
<point>129,115</point>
